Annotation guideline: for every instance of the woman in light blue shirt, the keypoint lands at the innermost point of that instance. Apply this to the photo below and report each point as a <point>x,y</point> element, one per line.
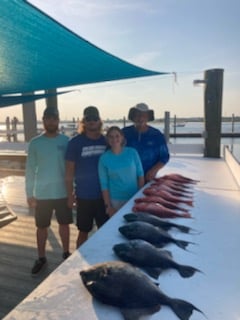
<point>120,171</point>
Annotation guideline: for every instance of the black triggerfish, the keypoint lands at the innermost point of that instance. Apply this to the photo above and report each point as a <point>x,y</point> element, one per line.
<point>146,231</point>
<point>121,285</point>
<point>151,259</point>
<point>155,221</point>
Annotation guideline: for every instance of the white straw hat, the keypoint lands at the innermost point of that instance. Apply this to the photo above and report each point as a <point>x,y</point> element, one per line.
<point>142,107</point>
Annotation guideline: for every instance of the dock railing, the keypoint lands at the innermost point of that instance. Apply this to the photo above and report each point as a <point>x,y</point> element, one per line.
<point>232,163</point>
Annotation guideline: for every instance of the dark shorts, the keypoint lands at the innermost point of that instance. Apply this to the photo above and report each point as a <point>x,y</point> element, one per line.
<point>88,211</point>
<point>45,209</point>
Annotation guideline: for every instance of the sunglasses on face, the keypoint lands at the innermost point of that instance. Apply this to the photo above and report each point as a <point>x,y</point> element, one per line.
<point>48,118</point>
<point>91,118</point>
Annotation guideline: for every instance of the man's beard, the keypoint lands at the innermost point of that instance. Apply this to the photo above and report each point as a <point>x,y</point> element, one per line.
<point>51,129</point>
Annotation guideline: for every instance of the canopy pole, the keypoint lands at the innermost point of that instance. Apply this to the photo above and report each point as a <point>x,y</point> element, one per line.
<point>51,101</point>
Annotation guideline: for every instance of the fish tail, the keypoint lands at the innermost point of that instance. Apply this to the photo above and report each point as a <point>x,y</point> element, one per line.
<point>183,309</point>
<point>182,244</point>
<point>189,203</point>
<point>184,229</point>
<point>186,215</point>
<point>187,271</point>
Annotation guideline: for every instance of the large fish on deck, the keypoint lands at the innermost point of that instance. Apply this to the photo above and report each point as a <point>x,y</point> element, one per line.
<point>159,210</point>
<point>179,178</point>
<point>156,221</point>
<point>145,231</point>
<point>174,185</point>
<point>153,191</point>
<point>172,191</point>
<point>121,285</point>
<point>163,202</point>
<point>144,255</point>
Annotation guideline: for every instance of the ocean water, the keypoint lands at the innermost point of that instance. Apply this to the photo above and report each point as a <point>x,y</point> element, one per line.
<point>198,127</point>
<point>190,127</point>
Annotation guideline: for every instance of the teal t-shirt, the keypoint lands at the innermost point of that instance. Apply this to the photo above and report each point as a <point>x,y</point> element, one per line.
<point>119,173</point>
<point>45,167</point>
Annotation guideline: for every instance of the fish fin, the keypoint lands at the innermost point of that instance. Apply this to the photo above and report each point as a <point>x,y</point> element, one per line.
<point>136,314</point>
<point>166,253</point>
<point>153,272</point>
<point>184,229</point>
<point>187,271</point>
<point>183,309</point>
<point>194,231</point>
<point>130,217</point>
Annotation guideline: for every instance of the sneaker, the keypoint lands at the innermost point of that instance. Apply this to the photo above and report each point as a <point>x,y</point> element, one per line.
<point>65,255</point>
<point>39,266</point>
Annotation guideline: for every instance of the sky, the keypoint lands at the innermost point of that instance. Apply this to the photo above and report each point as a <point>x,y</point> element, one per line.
<point>186,37</point>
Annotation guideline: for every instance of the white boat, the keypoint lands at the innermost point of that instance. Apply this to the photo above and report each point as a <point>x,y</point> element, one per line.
<point>179,124</point>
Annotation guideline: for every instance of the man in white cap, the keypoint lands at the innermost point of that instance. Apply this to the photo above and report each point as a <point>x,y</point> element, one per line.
<point>147,140</point>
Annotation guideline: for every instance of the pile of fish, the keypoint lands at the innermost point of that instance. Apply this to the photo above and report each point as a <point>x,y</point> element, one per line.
<point>122,283</point>
<point>165,195</point>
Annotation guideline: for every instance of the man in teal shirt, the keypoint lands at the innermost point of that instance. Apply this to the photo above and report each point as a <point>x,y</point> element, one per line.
<point>45,185</point>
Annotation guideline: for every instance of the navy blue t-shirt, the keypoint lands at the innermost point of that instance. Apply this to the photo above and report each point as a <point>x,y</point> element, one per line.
<point>85,153</point>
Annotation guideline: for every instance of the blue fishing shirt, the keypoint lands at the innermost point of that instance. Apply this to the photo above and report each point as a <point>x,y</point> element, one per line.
<point>151,145</point>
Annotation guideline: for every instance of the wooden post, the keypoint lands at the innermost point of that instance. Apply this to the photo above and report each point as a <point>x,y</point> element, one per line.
<point>167,125</point>
<point>213,112</point>
<point>29,119</point>
<point>51,102</point>
<point>233,122</point>
<point>124,122</point>
<point>174,125</point>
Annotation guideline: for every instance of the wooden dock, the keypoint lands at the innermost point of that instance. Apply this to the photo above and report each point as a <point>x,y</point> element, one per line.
<point>18,250</point>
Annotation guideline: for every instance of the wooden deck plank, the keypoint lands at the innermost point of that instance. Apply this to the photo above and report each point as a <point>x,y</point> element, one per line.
<point>18,250</point>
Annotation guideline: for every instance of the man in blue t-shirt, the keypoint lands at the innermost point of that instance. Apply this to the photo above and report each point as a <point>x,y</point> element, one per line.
<point>83,153</point>
<point>148,141</point>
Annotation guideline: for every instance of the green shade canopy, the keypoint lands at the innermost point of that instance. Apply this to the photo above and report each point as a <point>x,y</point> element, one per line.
<point>38,53</point>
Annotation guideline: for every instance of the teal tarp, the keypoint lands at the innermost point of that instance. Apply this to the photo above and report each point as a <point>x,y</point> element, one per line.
<point>37,53</point>
<point>6,101</point>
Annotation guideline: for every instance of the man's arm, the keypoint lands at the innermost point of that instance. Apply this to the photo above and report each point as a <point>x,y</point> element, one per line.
<point>69,179</point>
<point>151,174</point>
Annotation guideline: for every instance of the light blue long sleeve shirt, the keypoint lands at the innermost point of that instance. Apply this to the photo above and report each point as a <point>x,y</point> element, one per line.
<point>45,167</point>
<point>119,173</point>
